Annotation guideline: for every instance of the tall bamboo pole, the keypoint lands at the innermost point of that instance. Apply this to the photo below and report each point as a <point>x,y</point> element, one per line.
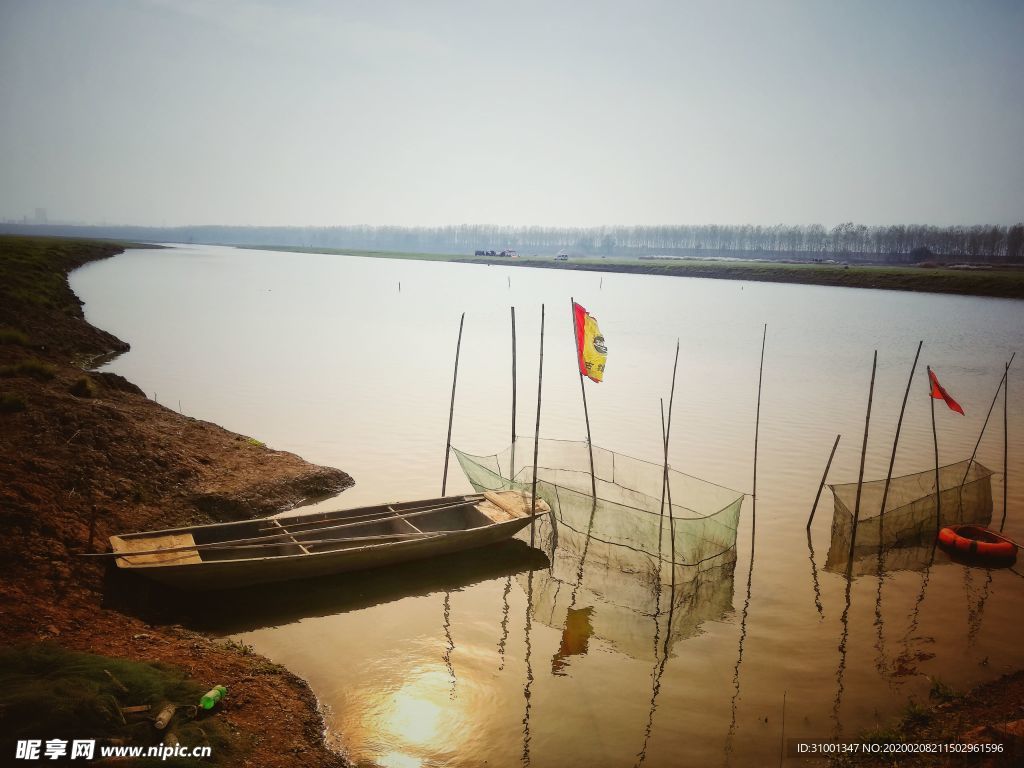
<point>536,431</point>
<point>821,485</point>
<point>935,440</point>
<point>451,410</point>
<point>896,440</point>
<point>512,456</point>
<point>665,429</point>
<point>984,426</point>
<point>583,391</point>
<point>757,428</point>
<point>1006,441</point>
<point>665,487</point>
<point>863,456</point>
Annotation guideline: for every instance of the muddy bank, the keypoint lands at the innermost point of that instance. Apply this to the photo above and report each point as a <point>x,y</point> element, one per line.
<point>990,717</point>
<point>85,453</point>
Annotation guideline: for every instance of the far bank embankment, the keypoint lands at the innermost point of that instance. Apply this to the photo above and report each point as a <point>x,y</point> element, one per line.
<point>997,283</point>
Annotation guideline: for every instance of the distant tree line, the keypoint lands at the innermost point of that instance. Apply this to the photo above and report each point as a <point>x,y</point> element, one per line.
<point>847,241</point>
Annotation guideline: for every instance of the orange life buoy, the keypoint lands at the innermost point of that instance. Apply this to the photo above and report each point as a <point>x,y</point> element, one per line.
<point>977,541</point>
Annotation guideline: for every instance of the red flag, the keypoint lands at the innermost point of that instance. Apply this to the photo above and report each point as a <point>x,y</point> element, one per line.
<point>941,394</point>
<point>591,349</point>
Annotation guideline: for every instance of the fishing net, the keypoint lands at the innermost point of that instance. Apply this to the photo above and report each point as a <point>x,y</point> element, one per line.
<point>622,569</point>
<point>626,514</point>
<point>912,517</point>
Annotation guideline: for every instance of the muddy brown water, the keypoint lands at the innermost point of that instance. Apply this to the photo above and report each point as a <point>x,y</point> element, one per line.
<point>442,663</point>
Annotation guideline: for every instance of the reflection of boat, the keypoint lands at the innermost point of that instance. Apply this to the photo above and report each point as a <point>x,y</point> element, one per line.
<point>318,544</point>
<point>906,533</point>
<point>278,604</point>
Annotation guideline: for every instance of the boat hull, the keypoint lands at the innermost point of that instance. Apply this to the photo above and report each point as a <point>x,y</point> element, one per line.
<point>180,565</point>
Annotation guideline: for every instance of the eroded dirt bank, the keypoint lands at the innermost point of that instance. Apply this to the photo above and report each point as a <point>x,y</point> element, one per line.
<point>81,451</point>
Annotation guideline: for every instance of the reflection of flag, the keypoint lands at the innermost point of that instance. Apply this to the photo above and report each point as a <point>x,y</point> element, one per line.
<point>941,394</point>
<point>575,637</point>
<point>590,346</point>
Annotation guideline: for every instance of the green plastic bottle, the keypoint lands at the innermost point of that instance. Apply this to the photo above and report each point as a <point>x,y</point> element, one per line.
<point>212,696</point>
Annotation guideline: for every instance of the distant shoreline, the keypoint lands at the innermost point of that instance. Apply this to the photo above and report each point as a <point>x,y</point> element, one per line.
<point>997,282</point>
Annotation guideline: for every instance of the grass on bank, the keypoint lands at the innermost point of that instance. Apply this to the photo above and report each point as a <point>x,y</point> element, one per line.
<point>32,367</point>
<point>33,269</point>
<point>13,336</point>
<point>48,692</point>
<point>11,402</point>
<point>1002,283</point>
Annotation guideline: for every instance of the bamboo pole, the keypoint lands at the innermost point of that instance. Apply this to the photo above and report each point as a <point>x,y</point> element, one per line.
<point>935,440</point>
<point>451,410</point>
<point>665,430</point>
<point>757,429</point>
<point>536,431</point>
<point>863,456</point>
<point>512,457</point>
<point>583,391</point>
<point>896,440</point>
<point>1006,440</point>
<point>821,485</point>
<point>984,426</point>
<point>665,487</point>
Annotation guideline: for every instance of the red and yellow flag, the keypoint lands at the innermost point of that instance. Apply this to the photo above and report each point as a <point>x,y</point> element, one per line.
<point>590,347</point>
<point>939,393</point>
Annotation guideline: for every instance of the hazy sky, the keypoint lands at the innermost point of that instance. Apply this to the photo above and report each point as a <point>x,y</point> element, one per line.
<point>574,113</point>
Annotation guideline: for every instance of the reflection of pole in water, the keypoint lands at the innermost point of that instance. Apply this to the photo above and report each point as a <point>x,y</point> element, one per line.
<point>841,668</point>
<point>529,672</point>
<point>504,622</point>
<point>583,556</point>
<point>814,577</point>
<point>558,660</point>
<point>449,642</point>
<point>880,663</point>
<point>659,665</point>
<point>976,612</point>
<point>915,614</point>
<point>739,652</point>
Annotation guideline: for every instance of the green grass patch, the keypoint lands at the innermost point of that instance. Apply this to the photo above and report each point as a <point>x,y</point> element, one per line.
<point>11,403</point>
<point>942,692</point>
<point>49,692</point>
<point>13,336</point>
<point>84,387</point>
<point>915,715</point>
<point>32,367</point>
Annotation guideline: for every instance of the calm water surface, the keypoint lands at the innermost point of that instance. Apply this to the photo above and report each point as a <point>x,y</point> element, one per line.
<point>477,660</point>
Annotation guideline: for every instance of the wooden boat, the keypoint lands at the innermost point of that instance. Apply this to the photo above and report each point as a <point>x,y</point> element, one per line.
<point>224,555</point>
